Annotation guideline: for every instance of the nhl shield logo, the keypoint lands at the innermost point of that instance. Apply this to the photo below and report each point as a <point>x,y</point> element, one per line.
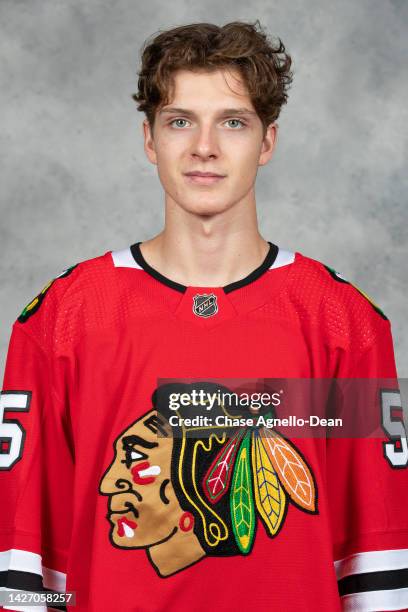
<point>205,305</point>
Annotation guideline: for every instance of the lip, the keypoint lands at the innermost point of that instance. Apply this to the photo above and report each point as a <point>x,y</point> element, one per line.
<point>126,527</point>
<point>203,178</point>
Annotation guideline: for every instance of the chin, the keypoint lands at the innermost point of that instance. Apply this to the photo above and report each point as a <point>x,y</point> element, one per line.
<point>207,208</point>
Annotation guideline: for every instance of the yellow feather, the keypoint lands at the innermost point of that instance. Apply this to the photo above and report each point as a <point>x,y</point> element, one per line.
<point>270,497</point>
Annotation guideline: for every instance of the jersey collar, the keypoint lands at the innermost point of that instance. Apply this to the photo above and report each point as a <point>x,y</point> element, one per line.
<point>251,277</point>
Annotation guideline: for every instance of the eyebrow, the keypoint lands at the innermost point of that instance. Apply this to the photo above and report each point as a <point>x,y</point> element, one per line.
<point>222,113</point>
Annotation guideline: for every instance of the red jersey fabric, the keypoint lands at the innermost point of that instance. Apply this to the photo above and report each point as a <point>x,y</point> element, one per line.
<point>94,502</point>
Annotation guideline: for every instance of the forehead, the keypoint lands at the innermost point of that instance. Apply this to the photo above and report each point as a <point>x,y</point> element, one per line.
<point>150,427</point>
<point>209,90</point>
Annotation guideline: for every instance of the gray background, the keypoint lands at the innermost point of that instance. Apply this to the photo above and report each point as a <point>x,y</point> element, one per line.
<point>75,182</point>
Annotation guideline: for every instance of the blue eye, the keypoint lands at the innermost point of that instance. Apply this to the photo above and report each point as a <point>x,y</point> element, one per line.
<point>174,120</point>
<point>176,123</point>
<point>236,121</point>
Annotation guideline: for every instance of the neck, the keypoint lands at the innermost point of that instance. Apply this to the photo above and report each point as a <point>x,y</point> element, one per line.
<point>208,251</point>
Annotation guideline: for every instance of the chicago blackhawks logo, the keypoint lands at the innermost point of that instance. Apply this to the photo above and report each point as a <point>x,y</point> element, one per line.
<point>338,277</point>
<point>183,493</point>
<point>36,302</point>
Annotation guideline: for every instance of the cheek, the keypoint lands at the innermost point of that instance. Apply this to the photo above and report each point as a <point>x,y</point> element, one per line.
<point>247,155</point>
<point>241,152</point>
<point>143,473</point>
<point>170,149</point>
<point>169,166</point>
<point>159,505</point>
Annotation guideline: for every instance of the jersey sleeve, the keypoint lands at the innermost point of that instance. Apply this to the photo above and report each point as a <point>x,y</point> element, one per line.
<point>36,470</point>
<point>367,485</point>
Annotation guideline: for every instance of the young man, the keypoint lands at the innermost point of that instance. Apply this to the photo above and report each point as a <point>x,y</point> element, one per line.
<point>103,492</point>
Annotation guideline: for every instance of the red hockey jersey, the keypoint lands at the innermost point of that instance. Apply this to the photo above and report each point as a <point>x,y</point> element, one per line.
<point>98,498</point>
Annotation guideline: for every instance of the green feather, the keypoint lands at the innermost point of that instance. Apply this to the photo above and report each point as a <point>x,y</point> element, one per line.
<point>242,503</point>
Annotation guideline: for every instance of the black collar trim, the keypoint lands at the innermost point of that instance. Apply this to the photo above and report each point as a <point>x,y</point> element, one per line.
<point>250,278</point>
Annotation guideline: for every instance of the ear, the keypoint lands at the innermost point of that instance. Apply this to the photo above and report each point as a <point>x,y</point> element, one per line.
<point>149,145</point>
<point>268,144</point>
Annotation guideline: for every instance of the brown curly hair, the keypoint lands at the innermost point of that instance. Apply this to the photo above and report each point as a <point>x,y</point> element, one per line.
<point>264,66</point>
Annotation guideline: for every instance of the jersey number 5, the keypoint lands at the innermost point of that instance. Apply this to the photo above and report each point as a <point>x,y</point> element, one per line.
<point>395,451</point>
<point>12,433</point>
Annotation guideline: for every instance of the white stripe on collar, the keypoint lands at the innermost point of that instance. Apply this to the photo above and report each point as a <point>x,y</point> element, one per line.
<point>124,259</point>
<point>283,258</point>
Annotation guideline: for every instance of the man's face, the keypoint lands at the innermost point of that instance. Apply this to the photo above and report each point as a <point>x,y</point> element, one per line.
<point>143,508</point>
<point>209,126</point>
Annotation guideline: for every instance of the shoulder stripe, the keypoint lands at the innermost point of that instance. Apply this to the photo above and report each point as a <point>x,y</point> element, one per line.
<point>283,258</point>
<point>123,258</point>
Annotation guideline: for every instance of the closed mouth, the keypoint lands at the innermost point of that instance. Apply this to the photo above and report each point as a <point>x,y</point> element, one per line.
<point>205,174</point>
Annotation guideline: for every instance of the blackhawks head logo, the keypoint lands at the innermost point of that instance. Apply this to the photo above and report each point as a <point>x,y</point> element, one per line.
<point>36,302</point>
<point>182,497</point>
<point>338,277</point>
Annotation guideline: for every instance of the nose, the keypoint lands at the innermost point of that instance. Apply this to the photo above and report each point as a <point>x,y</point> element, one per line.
<point>113,482</point>
<point>205,144</point>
